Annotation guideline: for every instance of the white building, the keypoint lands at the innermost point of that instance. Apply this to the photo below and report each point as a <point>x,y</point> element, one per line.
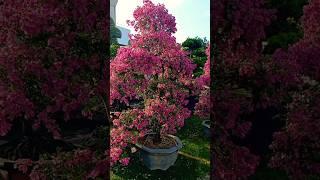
<point>124,40</point>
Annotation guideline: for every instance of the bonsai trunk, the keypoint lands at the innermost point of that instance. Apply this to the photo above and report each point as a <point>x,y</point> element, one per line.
<point>157,138</point>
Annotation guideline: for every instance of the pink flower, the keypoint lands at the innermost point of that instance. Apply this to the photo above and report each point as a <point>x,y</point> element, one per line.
<point>116,122</point>
<point>24,164</point>
<point>125,161</point>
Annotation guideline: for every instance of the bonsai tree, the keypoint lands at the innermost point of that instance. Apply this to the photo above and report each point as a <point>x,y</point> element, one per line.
<point>238,86</point>
<point>52,67</point>
<point>154,69</point>
<point>197,49</point>
<point>203,107</point>
<point>296,146</point>
<point>51,61</point>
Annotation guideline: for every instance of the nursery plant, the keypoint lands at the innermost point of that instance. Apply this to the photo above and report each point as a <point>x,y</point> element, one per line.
<point>296,146</point>
<point>238,88</point>
<point>52,70</point>
<point>203,107</point>
<point>155,69</point>
<point>51,60</point>
<point>196,47</point>
<point>247,80</point>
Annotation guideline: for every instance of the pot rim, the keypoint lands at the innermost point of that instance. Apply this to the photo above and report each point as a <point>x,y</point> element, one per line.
<point>206,123</point>
<point>162,151</point>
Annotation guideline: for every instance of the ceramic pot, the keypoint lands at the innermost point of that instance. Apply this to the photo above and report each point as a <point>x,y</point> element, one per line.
<point>160,158</point>
<point>206,128</point>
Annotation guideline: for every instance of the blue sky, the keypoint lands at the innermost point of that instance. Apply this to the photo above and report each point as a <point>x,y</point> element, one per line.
<point>192,16</point>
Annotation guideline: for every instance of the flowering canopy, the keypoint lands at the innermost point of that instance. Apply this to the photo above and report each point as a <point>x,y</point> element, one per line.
<point>203,107</point>
<point>238,31</point>
<point>50,59</point>
<point>52,56</point>
<point>155,69</point>
<point>296,147</point>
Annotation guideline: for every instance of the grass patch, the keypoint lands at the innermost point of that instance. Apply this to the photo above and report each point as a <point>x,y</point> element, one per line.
<point>194,140</point>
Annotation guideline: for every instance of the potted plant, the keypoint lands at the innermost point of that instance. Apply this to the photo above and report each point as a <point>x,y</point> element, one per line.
<point>202,108</point>
<point>161,157</point>
<point>154,69</point>
<point>49,69</point>
<point>206,128</point>
<point>84,163</point>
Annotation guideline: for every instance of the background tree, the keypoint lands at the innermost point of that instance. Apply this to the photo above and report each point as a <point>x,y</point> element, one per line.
<point>115,33</point>
<point>286,29</point>
<point>203,107</point>
<point>197,52</point>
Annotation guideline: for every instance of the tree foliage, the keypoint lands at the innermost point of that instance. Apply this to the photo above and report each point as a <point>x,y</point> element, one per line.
<point>238,32</point>
<point>52,56</point>
<point>52,64</point>
<point>196,48</point>
<point>203,107</point>
<point>114,33</point>
<point>286,29</point>
<point>296,147</point>
<point>155,69</point>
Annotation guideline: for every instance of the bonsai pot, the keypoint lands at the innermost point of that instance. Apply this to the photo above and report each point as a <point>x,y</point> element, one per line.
<point>156,158</point>
<point>206,128</point>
